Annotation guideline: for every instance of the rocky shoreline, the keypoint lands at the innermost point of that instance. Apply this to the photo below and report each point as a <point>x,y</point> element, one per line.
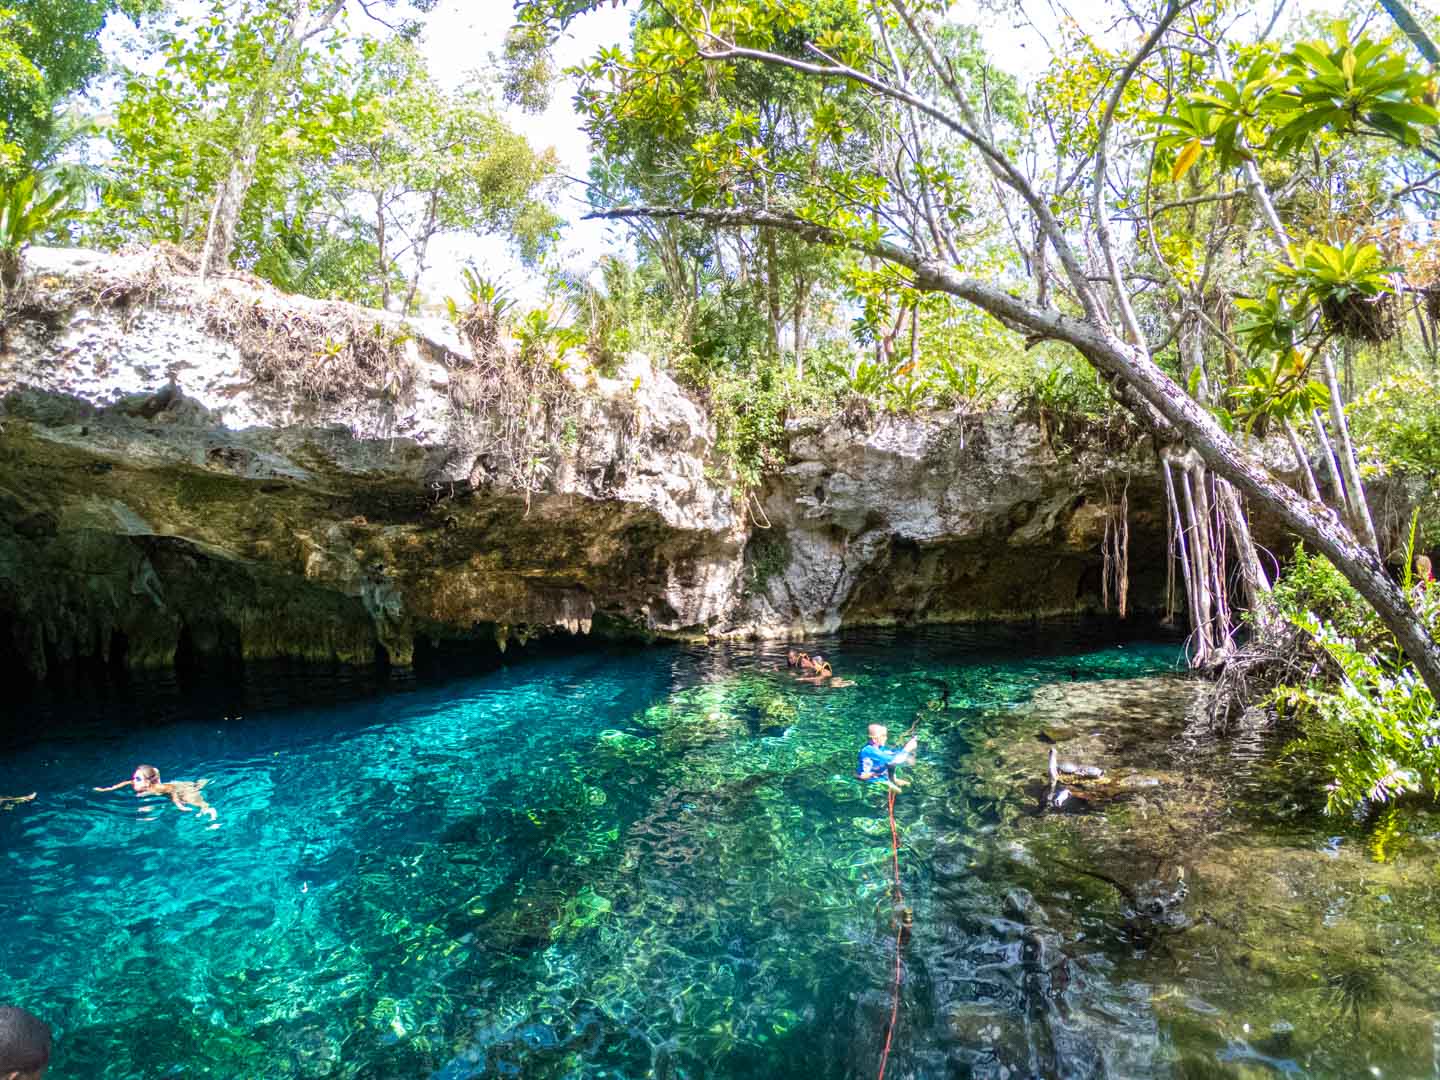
<point>217,471</point>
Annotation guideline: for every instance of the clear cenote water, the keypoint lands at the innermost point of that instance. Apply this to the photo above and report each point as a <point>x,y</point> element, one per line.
<point>616,864</point>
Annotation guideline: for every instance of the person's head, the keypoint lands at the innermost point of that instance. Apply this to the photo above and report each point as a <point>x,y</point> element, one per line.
<point>878,734</point>
<point>1422,568</point>
<point>145,778</point>
<point>24,1044</point>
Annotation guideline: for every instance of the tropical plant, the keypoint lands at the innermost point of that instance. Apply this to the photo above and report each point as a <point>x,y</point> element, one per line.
<point>30,207</point>
<point>1281,391</point>
<point>543,339</point>
<point>1373,724</point>
<point>962,382</point>
<point>49,50</point>
<point>480,291</point>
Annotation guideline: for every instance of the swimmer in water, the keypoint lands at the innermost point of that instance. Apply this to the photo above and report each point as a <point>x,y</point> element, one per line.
<point>183,793</point>
<point>822,674</point>
<point>876,760</point>
<point>9,802</point>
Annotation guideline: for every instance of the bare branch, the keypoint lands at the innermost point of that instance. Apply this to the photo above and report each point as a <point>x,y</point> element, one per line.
<point>1102,162</point>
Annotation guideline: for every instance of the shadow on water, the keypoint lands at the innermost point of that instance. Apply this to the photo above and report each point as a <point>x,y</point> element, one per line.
<point>657,863</point>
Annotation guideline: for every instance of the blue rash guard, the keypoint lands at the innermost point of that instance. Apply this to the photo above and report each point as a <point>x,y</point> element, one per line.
<point>878,759</point>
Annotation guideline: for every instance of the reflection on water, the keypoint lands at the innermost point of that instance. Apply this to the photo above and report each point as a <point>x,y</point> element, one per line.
<point>647,864</point>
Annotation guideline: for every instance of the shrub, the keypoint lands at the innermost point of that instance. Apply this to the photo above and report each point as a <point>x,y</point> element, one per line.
<point>1373,724</point>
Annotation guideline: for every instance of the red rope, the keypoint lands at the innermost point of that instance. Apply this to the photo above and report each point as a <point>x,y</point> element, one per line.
<point>899,929</point>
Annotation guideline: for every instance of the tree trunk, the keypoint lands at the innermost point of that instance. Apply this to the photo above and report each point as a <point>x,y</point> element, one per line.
<point>772,290</point>
<point>1307,475</point>
<point>1360,519</point>
<point>1161,404</point>
<point>802,297</point>
<point>230,197</point>
<point>424,246</point>
<point>1327,455</point>
<point>380,257</point>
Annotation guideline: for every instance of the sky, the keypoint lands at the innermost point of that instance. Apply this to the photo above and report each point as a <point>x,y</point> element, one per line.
<point>460,37</point>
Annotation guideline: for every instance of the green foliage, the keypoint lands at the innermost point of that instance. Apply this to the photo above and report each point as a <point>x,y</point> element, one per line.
<point>1399,419</point>
<point>1312,585</point>
<point>175,130</point>
<point>365,159</point>
<point>543,339</point>
<point>1321,90</point>
<point>1274,322</point>
<point>1339,86</point>
<point>480,291</point>
<point>1279,391</point>
<point>49,49</point>
<point>1332,277</point>
<point>1065,391</point>
<point>750,406</point>
<point>1375,725</point>
<point>299,255</point>
<point>30,207</point>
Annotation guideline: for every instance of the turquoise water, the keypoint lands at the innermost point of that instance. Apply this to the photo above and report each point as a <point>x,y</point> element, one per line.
<point>614,864</point>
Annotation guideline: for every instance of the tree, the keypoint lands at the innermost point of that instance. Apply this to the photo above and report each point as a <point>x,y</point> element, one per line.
<point>295,24</point>
<point>429,162</point>
<point>1090,304</point>
<point>726,137</point>
<point>49,49</point>
<point>365,159</point>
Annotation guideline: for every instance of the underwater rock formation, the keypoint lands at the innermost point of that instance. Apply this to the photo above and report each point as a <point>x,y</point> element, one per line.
<point>193,472</point>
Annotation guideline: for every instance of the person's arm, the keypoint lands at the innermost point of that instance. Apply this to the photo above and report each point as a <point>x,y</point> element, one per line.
<point>179,803</point>
<point>113,787</point>
<point>907,753</point>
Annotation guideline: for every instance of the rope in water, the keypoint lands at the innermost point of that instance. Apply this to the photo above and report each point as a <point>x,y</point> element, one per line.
<point>899,929</point>
<point>899,922</point>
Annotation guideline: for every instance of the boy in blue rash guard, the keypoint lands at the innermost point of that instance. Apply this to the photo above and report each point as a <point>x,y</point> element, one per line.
<point>876,761</point>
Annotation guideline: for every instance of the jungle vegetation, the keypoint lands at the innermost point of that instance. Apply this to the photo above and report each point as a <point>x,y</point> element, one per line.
<point>1219,235</point>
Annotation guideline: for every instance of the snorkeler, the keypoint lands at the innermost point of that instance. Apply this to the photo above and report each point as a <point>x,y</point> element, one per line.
<point>183,793</point>
<point>9,802</point>
<point>876,761</point>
